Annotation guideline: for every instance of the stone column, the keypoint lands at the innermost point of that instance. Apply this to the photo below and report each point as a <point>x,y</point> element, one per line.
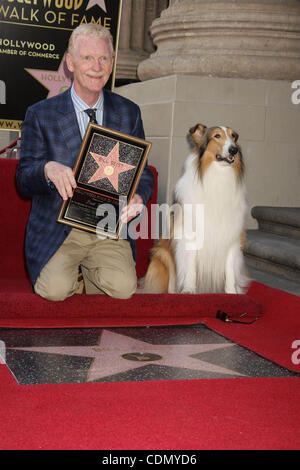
<point>227,38</point>
<point>135,42</point>
<point>127,59</point>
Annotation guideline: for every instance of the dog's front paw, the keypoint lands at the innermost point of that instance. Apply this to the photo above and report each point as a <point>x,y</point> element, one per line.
<point>236,288</point>
<point>188,290</point>
<point>230,289</point>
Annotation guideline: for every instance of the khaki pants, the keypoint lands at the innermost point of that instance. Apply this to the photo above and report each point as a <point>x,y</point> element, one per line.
<point>107,267</point>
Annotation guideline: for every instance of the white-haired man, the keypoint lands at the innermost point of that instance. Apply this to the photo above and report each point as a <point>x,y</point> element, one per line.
<point>51,137</point>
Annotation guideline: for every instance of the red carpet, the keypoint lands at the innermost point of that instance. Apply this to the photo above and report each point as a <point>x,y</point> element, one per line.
<point>22,309</point>
<point>271,336</point>
<point>258,413</point>
<point>190,414</point>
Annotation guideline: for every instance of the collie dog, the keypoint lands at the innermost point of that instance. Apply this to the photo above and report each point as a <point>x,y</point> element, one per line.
<point>205,254</point>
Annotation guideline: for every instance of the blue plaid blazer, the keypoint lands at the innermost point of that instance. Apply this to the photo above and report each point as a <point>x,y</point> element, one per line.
<point>50,132</point>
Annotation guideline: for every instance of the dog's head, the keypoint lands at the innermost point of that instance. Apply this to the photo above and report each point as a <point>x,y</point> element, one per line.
<point>217,144</point>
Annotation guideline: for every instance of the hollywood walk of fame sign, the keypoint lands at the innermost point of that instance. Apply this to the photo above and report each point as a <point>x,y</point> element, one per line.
<point>34,36</point>
<point>107,172</point>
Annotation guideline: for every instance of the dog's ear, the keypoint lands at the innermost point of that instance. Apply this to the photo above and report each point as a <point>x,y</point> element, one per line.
<point>235,136</point>
<point>197,133</point>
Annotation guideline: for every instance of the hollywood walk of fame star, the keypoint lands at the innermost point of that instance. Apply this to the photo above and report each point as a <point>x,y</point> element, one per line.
<point>117,353</point>
<point>100,3</point>
<point>109,167</point>
<point>55,81</point>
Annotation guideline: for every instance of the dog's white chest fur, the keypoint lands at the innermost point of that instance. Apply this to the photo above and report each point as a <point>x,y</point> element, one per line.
<point>218,198</point>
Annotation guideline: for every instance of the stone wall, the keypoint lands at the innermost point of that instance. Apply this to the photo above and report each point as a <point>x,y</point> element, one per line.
<point>261,111</point>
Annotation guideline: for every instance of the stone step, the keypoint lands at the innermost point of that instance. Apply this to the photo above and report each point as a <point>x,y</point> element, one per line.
<point>275,281</point>
<point>284,221</point>
<point>273,253</point>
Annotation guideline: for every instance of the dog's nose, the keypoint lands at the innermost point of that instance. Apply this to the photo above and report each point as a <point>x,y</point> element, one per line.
<point>233,150</point>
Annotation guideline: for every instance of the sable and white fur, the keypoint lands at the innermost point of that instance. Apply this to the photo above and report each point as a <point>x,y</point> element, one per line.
<point>213,178</point>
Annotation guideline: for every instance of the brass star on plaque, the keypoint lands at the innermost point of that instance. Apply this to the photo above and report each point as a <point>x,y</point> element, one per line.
<point>110,167</point>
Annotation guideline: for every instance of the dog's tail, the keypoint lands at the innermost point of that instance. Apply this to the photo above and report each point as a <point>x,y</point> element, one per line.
<point>161,275</point>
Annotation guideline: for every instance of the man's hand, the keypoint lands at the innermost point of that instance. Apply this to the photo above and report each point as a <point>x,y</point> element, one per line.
<point>62,177</point>
<point>133,209</point>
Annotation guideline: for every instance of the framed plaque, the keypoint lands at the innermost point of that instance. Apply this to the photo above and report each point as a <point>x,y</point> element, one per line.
<point>107,172</point>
